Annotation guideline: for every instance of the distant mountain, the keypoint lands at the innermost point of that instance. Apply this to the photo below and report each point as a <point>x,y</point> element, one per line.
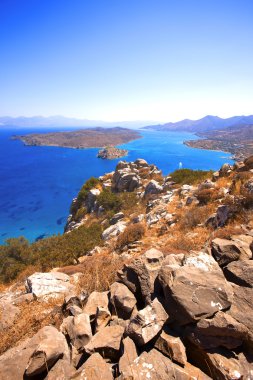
<point>207,123</point>
<point>61,121</point>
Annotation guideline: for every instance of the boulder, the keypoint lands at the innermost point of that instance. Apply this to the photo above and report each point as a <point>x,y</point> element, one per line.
<point>78,330</point>
<point>155,366</point>
<point>106,341</point>
<point>91,198</point>
<point>51,284</point>
<point>113,230</point>
<point>225,251</point>
<point>172,347</point>
<point>220,217</point>
<point>140,163</point>
<point>8,314</point>
<point>153,187</point>
<point>72,305</point>
<point>195,289</point>
<point>122,299</point>
<point>140,275</point>
<point>93,369</point>
<point>240,273</point>
<point>46,354</point>
<point>116,218</point>
<point>14,362</point>
<point>220,331</point>
<point>125,179</point>
<point>147,323</point>
<point>241,308</point>
<point>102,318</point>
<point>129,354</point>
<point>96,300</point>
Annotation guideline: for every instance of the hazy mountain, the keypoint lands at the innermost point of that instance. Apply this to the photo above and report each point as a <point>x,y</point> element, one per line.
<point>207,123</point>
<point>61,121</point>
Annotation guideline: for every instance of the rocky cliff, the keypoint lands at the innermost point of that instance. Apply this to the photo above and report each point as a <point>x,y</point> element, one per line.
<point>180,303</point>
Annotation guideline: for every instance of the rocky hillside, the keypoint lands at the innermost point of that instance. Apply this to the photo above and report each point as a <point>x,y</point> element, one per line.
<point>167,294</point>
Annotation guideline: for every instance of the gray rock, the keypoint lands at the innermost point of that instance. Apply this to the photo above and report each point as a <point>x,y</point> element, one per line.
<point>129,354</point>
<point>96,300</point>
<point>172,347</point>
<point>153,187</point>
<point>122,299</point>
<point>51,284</point>
<point>240,272</point>
<point>113,230</point>
<point>226,251</point>
<point>116,217</point>
<point>94,368</point>
<point>78,330</point>
<point>147,323</point>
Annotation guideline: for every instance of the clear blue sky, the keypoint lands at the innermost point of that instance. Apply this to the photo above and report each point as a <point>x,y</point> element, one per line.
<point>160,60</point>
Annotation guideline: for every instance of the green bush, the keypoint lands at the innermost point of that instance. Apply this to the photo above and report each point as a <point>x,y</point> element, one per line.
<point>47,253</point>
<point>189,177</point>
<point>109,201</point>
<point>90,184</point>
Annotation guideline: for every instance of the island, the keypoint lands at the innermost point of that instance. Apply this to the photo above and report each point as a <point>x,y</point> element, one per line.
<point>111,152</point>
<point>80,139</point>
<point>237,140</point>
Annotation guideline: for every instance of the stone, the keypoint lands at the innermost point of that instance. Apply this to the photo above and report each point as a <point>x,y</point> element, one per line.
<point>240,273</point>
<point>96,300</point>
<point>94,368</point>
<point>122,299</point>
<point>51,284</point>
<point>8,314</point>
<point>225,251</point>
<point>220,331</point>
<point>116,218</point>
<point>220,217</point>
<point>72,305</point>
<point>129,354</point>
<point>77,329</point>
<point>125,178</point>
<point>153,187</point>
<point>103,317</point>
<point>13,362</point>
<point>107,342</point>
<point>197,289</point>
<point>114,230</point>
<point>172,347</point>
<point>62,370</point>
<point>90,201</point>
<point>140,275</point>
<point>241,308</point>
<point>147,323</point>
<point>140,163</point>
<point>153,365</point>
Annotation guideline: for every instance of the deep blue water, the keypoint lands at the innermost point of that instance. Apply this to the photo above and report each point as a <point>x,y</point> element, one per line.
<point>37,184</point>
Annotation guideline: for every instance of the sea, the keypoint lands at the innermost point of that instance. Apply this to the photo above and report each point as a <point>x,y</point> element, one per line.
<point>37,184</point>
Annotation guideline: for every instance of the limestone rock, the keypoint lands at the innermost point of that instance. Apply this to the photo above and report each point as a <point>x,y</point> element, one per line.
<point>122,300</point>
<point>90,201</point>
<point>116,218</point>
<point>147,323</point>
<point>240,272</point>
<point>153,187</point>
<point>220,331</point>
<point>96,300</point>
<point>78,330</point>
<point>172,347</point>
<point>13,362</point>
<point>93,369</point>
<point>140,275</point>
<point>103,317</point>
<point>195,290</point>
<point>241,308</point>
<point>51,284</point>
<point>226,251</point>
<point>153,365</point>
<point>114,230</point>
<point>107,342</point>
<point>129,354</point>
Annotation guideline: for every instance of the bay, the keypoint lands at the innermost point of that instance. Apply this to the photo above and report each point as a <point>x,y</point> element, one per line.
<point>37,184</point>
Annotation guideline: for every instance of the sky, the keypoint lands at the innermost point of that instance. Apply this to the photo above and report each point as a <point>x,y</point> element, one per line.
<point>115,60</point>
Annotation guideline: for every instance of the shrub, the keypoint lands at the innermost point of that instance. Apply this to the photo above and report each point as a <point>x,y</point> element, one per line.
<point>206,195</point>
<point>90,184</point>
<point>132,233</point>
<point>109,201</point>
<point>188,176</point>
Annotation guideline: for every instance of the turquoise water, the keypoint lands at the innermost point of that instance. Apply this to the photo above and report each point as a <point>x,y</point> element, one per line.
<point>38,183</point>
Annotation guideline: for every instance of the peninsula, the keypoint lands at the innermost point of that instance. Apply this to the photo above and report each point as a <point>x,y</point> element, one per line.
<point>81,139</point>
<point>237,140</point>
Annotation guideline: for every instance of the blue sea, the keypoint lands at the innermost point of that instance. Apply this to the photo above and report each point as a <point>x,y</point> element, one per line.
<point>38,183</point>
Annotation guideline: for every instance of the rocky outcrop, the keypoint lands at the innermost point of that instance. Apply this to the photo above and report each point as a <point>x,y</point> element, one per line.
<point>49,284</point>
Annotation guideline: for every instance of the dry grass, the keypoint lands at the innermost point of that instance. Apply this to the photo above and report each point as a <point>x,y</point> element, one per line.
<point>132,233</point>
<point>181,242</point>
<point>33,316</point>
<point>100,271</point>
<point>193,216</point>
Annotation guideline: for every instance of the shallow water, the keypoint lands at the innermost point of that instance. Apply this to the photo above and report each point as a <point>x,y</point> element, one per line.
<point>38,183</point>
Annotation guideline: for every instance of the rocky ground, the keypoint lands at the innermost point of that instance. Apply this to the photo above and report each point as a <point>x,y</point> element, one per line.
<point>179,306</point>
<point>111,153</point>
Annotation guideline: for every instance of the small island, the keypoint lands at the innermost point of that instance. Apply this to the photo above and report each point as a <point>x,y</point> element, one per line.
<point>81,139</point>
<point>111,152</point>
